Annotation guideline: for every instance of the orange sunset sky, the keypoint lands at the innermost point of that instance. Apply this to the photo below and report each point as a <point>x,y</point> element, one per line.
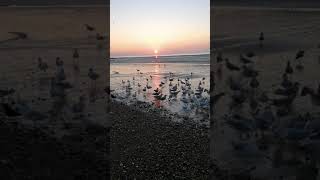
<point>167,27</point>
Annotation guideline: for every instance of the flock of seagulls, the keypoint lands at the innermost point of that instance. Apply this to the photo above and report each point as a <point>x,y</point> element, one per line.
<point>266,121</point>
<point>59,87</point>
<point>58,82</point>
<point>171,88</point>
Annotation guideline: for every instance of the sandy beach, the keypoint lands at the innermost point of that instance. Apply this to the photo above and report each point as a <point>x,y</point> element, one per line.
<point>43,134</point>
<point>286,32</point>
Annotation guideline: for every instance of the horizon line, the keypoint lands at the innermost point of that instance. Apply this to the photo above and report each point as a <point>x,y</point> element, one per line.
<point>166,55</point>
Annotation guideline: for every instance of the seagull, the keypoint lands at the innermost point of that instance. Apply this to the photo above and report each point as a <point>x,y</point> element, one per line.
<point>9,111</point>
<point>163,97</point>
<point>79,106</point>
<point>299,54</point>
<point>254,83</point>
<point>219,57</point>
<point>238,98</point>
<point>75,53</point>
<point>55,89</point>
<point>59,62</point>
<point>249,72</point>
<point>261,39</point>
<point>231,66</point>
<point>244,59</point>
<point>20,35</point>
<point>93,75</point>
<point>284,101</point>
<point>289,90</point>
<point>239,123</point>
<point>156,94</point>
<point>289,69</point>
<point>148,87</point>
<point>60,75</point>
<point>89,28</point>
<point>174,93</point>
<point>299,66</point>
<point>250,54</point>
<point>174,88</point>
<point>100,37</point>
<point>315,96</point>
<point>286,83</point>
<point>42,65</point>
<point>4,93</point>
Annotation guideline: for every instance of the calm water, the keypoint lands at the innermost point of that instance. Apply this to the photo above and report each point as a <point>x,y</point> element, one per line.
<point>189,74</point>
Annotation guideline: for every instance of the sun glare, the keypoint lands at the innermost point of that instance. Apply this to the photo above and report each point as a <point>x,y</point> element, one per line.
<point>156,51</point>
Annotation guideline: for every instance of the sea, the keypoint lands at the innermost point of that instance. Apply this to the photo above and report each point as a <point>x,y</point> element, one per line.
<point>187,75</point>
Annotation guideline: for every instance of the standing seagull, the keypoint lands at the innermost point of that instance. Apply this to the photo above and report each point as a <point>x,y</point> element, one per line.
<point>261,39</point>
<point>289,69</point>
<point>254,83</point>
<point>76,68</point>
<point>93,76</point>
<point>100,41</point>
<point>219,57</point>
<point>75,59</point>
<point>42,66</point>
<point>60,75</point>
<point>299,56</point>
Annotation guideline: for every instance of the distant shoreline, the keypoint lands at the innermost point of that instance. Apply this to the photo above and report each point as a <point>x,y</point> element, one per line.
<point>151,56</point>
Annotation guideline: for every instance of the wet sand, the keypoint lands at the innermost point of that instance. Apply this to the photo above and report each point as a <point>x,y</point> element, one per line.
<point>286,32</point>
<point>40,144</point>
<point>30,153</point>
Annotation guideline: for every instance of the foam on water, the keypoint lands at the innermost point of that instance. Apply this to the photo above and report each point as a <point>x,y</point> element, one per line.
<point>150,71</point>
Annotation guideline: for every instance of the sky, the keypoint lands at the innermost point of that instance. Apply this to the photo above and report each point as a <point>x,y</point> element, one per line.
<point>163,27</point>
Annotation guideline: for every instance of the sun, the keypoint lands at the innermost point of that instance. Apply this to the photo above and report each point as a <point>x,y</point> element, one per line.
<point>156,51</point>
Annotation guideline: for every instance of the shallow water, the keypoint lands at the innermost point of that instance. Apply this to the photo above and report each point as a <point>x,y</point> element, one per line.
<point>152,71</point>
